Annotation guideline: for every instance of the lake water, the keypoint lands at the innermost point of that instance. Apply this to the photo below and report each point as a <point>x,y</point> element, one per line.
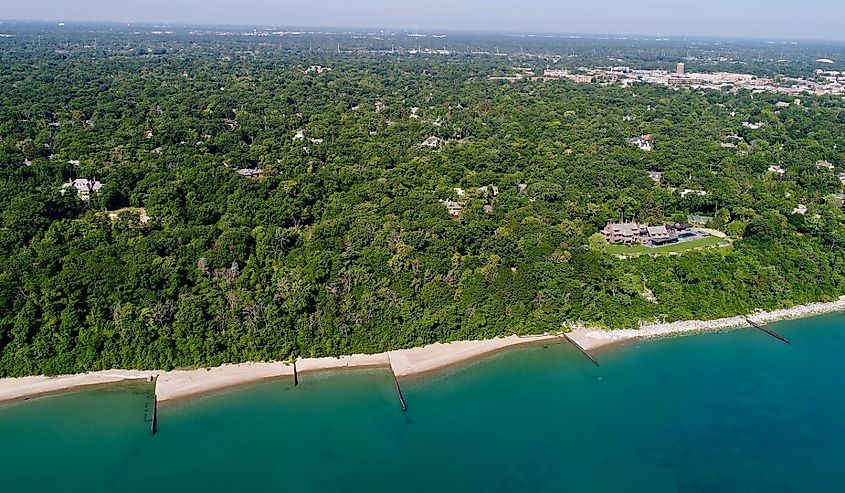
<point>733,411</point>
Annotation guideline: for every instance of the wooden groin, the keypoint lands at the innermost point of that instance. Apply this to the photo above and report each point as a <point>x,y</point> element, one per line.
<point>154,421</point>
<point>764,329</point>
<point>154,418</point>
<point>295,375</point>
<point>399,391</point>
<point>398,387</point>
<point>584,351</point>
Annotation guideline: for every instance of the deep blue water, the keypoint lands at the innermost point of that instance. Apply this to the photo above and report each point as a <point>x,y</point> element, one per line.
<point>719,412</point>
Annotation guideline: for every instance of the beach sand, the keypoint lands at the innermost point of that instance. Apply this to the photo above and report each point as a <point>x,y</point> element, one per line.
<point>437,356</point>
<point>182,384</point>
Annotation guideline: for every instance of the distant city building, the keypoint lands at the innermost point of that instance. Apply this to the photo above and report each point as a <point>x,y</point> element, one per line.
<point>824,164</point>
<point>680,69</point>
<point>777,170</point>
<point>683,80</point>
<point>564,74</point>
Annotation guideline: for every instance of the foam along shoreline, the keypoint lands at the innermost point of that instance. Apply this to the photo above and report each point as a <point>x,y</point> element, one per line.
<point>182,384</point>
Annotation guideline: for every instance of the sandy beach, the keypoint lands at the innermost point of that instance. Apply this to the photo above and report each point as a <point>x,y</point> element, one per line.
<point>437,356</point>
<point>182,384</point>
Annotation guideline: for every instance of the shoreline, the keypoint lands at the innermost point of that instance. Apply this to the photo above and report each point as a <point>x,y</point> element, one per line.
<point>179,385</point>
<point>592,338</point>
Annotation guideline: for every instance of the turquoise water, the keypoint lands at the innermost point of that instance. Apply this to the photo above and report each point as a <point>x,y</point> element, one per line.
<point>734,411</point>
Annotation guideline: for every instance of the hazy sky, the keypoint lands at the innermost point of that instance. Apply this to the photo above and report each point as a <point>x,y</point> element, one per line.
<point>805,19</point>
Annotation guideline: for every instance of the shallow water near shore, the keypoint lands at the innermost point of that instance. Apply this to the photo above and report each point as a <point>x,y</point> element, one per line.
<point>730,411</point>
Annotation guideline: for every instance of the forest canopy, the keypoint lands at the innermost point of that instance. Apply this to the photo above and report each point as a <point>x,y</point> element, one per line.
<point>264,198</point>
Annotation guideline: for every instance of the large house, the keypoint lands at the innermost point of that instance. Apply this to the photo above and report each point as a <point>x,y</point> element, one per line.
<point>628,233</point>
<point>84,187</point>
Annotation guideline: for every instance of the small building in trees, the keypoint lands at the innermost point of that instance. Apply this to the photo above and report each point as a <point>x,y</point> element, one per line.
<point>432,142</point>
<point>250,173</point>
<point>643,142</point>
<point>656,176</point>
<point>453,208</point>
<point>690,191</point>
<point>777,170</point>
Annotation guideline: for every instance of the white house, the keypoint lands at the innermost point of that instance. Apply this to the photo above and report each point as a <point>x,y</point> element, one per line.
<point>84,187</point>
<point>688,191</point>
<point>432,142</point>
<point>643,142</point>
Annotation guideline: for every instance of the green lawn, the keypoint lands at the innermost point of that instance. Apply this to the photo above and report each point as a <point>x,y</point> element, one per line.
<point>676,247</point>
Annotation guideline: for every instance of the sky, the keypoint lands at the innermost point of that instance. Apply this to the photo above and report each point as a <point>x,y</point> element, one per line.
<point>776,19</point>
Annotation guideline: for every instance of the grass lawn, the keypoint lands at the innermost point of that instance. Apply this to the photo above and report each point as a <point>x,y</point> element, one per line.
<point>666,249</point>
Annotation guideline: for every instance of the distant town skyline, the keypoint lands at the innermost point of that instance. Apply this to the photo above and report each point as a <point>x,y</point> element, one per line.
<point>773,19</point>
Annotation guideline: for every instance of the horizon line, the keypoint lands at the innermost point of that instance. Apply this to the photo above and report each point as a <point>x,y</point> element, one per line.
<point>618,36</point>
